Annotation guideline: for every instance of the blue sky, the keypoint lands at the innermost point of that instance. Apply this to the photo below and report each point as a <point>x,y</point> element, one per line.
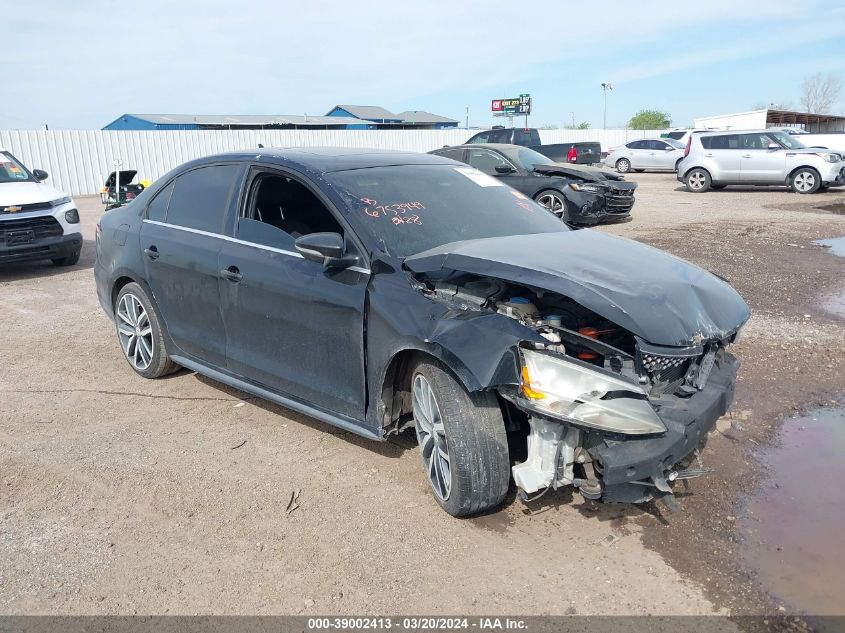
<point>80,64</point>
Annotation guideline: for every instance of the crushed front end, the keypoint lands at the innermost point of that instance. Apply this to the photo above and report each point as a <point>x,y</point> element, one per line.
<point>600,408</point>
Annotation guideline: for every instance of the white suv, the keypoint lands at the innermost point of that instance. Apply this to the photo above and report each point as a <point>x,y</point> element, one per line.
<point>36,220</point>
<point>713,160</point>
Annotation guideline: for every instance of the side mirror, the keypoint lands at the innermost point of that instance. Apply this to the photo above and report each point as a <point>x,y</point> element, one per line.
<point>504,169</point>
<point>326,249</point>
<point>40,174</point>
<point>671,149</point>
<point>773,146</point>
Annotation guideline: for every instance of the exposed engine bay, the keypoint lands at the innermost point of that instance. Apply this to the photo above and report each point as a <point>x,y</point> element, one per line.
<point>598,407</point>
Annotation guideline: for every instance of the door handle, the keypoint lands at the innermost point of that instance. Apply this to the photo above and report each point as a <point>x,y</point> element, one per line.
<point>232,273</point>
<point>151,252</point>
<point>709,155</point>
<point>746,155</point>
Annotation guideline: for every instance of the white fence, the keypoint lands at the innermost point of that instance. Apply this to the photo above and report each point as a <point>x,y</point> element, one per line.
<point>79,160</point>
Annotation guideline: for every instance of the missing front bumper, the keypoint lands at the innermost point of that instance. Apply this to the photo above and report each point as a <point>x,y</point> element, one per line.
<point>627,469</point>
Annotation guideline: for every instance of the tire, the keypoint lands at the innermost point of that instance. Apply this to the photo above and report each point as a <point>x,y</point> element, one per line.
<point>623,165</point>
<point>554,202</point>
<point>714,187</point>
<point>70,260</point>
<point>697,180</point>
<point>469,429</point>
<point>805,180</point>
<point>135,314</point>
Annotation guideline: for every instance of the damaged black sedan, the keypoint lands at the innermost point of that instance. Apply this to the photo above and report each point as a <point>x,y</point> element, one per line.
<point>385,291</point>
<point>580,195</point>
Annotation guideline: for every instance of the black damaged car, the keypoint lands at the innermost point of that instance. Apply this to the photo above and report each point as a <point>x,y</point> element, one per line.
<point>384,291</point>
<point>578,194</point>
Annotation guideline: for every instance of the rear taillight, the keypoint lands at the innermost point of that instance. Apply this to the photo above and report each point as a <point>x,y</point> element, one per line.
<point>572,156</point>
<point>687,148</point>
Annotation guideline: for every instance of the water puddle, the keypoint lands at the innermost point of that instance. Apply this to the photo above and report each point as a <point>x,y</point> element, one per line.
<point>835,244</point>
<point>793,525</point>
<point>838,208</point>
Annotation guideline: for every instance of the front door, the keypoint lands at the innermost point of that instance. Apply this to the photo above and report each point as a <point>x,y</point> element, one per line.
<point>181,238</point>
<point>292,326</point>
<point>761,164</point>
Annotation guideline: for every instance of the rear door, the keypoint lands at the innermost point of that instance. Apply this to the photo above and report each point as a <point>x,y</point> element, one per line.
<point>181,238</point>
<point>758,163</point>
<point>292,326</point>
<point>722,157</point>
<point>637,153</point>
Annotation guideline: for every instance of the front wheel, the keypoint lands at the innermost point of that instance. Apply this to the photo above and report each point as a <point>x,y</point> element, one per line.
<point>462,440</point>
<point>697,180</point>
<point>554,202</point>
<point>623,165</point>
<point>805,180</point>
<point>140,333</point>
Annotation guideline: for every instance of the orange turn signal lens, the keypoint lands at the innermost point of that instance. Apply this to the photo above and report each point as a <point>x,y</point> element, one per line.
<point>527,391</point>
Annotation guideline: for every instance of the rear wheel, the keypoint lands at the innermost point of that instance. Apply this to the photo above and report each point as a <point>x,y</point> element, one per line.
<point>462,440</point>
<point>554,202</point>
<point>140,333</point>
<point>805,180</point>
<point>623,165</point>
<point>697,180</point>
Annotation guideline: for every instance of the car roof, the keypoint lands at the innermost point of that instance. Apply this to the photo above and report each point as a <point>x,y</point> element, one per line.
<point>720,132</point>
<point>328,159</point>
<point>498,146</point>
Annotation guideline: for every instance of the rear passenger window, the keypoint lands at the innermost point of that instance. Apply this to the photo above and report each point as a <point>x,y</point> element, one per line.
<point>637,145</point>
<point>500,136</point>
<point>454,154</point>
<point>200,197</point>
<point>157,209</point>
<point>726,141</point>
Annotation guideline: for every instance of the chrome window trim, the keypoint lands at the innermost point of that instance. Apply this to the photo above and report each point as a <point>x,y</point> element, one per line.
<point>235,240</point>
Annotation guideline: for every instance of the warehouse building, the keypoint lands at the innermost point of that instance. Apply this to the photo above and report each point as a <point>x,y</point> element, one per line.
<point>761,119</point>
<point>234,122</point>
<point>404,120</point>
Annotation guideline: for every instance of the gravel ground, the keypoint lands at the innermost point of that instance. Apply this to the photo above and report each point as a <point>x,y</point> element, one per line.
<point>120,495</point>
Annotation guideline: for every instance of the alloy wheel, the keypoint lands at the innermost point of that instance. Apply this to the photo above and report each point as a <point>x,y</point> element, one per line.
<point>623,166</point>
<point>552,202</point>
<point>696,180</point>
<point>431,436</point>
<point>804,181</point>
<point>135,332</point>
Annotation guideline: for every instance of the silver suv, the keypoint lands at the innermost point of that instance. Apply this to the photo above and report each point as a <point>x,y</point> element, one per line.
<point>713,160</point>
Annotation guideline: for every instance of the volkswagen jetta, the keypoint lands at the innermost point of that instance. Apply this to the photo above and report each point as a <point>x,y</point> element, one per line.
<point>384,291</point>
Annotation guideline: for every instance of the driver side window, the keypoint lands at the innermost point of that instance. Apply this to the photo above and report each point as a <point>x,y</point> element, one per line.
<point>486,161</point>
<point>281,209</point>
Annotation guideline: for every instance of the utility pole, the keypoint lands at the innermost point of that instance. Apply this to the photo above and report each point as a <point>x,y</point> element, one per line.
<point>466,124</point>
<point>605,87</point>
<point>572,114</point>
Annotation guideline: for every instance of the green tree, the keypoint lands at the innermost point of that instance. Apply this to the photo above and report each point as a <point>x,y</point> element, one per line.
<point>583,125</point>
<point>650,120</point>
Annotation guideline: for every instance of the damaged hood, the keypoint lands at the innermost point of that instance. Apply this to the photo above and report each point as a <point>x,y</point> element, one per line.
<point>657,296</point>
<point>591,174</point>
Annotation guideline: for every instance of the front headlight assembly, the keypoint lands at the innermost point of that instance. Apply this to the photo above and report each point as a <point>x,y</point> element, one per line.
<point>580,186</point>
<point>570,390</point>
<point>829,156</point>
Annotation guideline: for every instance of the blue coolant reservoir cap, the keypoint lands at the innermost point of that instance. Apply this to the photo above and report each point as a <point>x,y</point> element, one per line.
<point>518,300</point>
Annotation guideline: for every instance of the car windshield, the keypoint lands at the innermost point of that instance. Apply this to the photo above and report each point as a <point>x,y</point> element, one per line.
<point>408,209</point>
<point>528,158</point>
<point>674,143</point>
<point>11,170</point>
<point>789,142</point>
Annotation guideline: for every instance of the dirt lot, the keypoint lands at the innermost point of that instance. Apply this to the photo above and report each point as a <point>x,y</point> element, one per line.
<point>120,495</point>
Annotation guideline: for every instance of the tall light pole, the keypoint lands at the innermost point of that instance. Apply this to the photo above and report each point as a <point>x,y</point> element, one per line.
<point>605,87</point>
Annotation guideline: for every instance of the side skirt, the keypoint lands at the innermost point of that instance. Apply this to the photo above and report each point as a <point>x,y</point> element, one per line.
<point>347,424</point>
